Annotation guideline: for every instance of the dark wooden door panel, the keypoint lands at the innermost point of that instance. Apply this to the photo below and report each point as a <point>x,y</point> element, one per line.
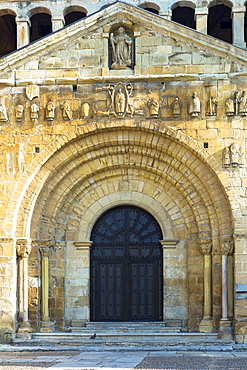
<point>126,267</point>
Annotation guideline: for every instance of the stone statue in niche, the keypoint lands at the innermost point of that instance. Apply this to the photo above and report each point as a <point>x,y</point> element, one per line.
<point>19,111</point>
<point>233,156</point>
<point>66,111</point>
<point>195,105</point>
<point>153,106</point>
<point>85,110</point>
<point>121,49</point>
<point>34,112</point>
<point>50,111</point>
<point>242,104</point>
<point>212,106</point>
<point>3,111</point>
<point>120,102</point>
<point>176,107</point>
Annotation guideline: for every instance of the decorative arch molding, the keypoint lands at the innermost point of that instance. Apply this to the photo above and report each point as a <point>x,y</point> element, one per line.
<point>227,3</point>
<point>38,10</point>
<point>7,11</point>
<point>61,153</point>
<point>74,8</point>
<point>188,4</point>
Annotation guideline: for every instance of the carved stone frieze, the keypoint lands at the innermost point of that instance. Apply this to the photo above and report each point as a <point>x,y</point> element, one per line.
<point>32,91</point>
<point>120,100</point>
<point>153,106</point>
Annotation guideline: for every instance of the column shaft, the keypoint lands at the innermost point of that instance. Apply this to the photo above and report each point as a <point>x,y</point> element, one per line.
<point>238,15</point>
<point>201,15</point>
<point>45,288</point>
<point>23,32</point>
<point>57,23</point>
<point>224,287</point>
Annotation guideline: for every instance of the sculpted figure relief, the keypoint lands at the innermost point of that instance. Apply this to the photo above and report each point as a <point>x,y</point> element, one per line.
<point>34,112</point>
<point>195,105</point>
<point>153,106</point>
<point>176,107</point>
<point>66,111</point>
<point>19,112</point>
<point>233,156</point>
<point>243,104</point>
<point>85,110</point>
<point>120,100</point>
<point>121,46</point>
<point>212,106</point>
<point>50,111</point>
<point>3,111</point>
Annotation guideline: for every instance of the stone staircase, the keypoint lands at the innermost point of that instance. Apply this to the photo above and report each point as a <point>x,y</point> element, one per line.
<point>135,335</point>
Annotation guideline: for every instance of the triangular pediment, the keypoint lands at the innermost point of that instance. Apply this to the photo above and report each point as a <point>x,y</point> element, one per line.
<point>162,47</point>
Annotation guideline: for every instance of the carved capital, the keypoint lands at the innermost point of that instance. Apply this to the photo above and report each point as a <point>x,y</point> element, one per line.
<point>57,246</point>
<point>44,251</point>
<point>205,247</point>
<point>226,246</point>
<point>23,247</point>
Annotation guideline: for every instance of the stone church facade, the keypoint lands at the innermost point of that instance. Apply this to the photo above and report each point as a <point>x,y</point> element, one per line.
<point>123,178</point>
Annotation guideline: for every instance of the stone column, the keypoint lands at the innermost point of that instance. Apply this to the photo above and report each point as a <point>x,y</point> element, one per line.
<point>238,15</point>
<point>166,14</point>
<point>201,15</point>
<point>225,330</point>
<point>23,249</point>
<point>47,326</point>
<point>23,31</point>
<point>57,22</point>
<point>206,325</point>
<point>105,57</point>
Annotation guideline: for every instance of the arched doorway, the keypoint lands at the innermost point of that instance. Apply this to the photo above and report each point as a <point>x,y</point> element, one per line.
<point>126,267</point>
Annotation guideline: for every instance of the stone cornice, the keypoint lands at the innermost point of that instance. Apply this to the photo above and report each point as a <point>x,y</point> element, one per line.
<point>85,245</point>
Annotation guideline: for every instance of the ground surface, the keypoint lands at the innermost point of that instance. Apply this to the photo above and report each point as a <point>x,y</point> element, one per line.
<point>93,360</point>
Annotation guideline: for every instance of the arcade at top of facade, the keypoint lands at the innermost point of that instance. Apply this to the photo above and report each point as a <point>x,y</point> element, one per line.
<point>25,22</point>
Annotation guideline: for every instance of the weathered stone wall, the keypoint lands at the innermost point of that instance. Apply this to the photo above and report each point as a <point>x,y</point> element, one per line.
<point>63,166</point>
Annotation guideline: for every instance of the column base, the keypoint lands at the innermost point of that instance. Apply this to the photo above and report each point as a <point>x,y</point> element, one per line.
<point>47,327</point>
<point>206,325</point>
<point>225,329</point>
<point>24,331</point>
<point>240,44</point>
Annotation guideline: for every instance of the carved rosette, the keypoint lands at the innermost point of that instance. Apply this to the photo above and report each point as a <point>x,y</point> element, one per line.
<point>23,247</point>
<point>226,246</point>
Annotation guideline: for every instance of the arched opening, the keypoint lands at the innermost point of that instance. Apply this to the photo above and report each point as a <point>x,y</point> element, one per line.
<point>126,266</point>
<point>8,32</point>
<point>150,7</point>
<point>74,13</point>
<point>220,22</point>
<point>40,26</point>
<point>184,14</point>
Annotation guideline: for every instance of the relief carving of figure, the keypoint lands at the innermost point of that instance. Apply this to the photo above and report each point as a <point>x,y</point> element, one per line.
<point>34,112</point>
<point>3,111</point>
<point>195,105</point>
<point>243,104</point>
<point>50,111</point>
<point>19,112</point>
<point>176,107</point>
<point>85,110</point>
<point>66,111</point>
<point>121,46</point>
<point>212,106</point>
<point>120,100</point>
<point>226,157</point>
<point>153,106</point>
<point>236,155</point>
<point>230,106</point>
<point>233,156</point>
